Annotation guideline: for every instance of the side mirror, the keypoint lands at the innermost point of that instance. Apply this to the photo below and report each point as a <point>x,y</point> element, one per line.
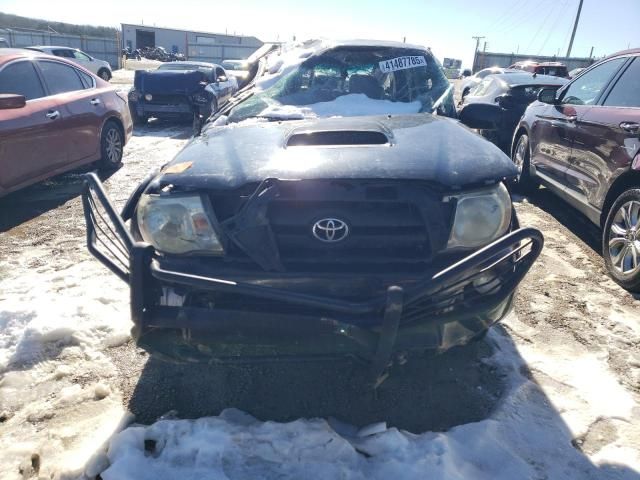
<point>548,95</point>
<point>481,116</point>
<point>10,100</point>
<point>221,78</point>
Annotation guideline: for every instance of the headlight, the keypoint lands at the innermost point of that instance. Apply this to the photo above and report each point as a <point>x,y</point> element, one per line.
<point>134,95</point>
<point>148,97</point>
<point>481,216</point>
<point>177,224</point>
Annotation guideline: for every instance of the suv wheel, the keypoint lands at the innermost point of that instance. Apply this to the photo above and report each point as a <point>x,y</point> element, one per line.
<point>621,240</point>
<point>111,146</point>
<point>521,158</point>
<point>104,74</point>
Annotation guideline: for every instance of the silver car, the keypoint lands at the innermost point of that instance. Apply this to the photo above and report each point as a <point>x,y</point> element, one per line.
<point>99,67</point>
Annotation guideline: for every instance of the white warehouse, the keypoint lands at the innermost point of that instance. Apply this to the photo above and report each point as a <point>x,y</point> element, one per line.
<point>200,46</point>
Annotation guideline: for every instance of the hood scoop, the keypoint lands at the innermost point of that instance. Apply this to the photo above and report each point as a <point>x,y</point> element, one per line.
<point>337,138</point>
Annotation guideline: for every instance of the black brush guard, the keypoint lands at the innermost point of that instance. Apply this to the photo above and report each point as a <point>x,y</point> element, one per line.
<point>436,298</point>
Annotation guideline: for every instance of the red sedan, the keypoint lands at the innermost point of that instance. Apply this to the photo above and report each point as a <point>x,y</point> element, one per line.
<point>55,116</point>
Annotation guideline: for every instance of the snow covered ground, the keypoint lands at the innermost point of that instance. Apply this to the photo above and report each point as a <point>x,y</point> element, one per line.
<point>568,358</point>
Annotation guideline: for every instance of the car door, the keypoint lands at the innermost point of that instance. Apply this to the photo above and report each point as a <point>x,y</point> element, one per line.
<point>80,108</point>
<point>553,129</point>
<point>30,141</point>
<point>607,137</point>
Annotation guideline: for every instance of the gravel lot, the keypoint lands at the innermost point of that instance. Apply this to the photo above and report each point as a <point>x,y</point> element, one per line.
<point>574,329</point>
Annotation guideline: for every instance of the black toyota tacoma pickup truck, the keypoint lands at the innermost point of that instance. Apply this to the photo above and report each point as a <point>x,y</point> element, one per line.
<point>284,231</point>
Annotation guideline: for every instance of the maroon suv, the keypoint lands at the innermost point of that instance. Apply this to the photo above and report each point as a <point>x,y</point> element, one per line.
<point>554,69</point>
<point>583,143</point>
<point>55,116</point>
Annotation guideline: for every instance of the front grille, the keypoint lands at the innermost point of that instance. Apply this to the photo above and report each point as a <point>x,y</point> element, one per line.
<point>394,226</point>
<point>378,232</point>
<point>391,224</point>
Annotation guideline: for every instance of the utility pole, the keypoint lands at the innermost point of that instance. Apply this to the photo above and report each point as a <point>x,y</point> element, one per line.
<point>575,27</point>
<point>475,53</point>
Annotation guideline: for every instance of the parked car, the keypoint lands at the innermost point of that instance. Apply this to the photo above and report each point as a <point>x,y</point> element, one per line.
<point>583,143</point>
<point>470,82</point>
<point>373,234</point>
<point>98,67</point>
<point>55,116</point>
<point>496,105</point>
<point>555,69</point>
<point>180,90</point>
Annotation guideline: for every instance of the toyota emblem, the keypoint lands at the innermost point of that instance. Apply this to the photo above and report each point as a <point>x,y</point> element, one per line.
<point>330,230</point>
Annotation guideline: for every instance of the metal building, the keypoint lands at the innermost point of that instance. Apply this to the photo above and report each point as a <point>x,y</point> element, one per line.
<point>201,46</point>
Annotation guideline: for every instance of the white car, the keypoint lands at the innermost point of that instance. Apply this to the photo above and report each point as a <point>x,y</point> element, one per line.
<point>99,67</point>
<point>470,82</point>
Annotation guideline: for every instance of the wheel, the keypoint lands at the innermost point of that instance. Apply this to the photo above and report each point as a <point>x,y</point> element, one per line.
<point>621,240</point>
<point>104,74</point>
<point>521,158</point>
<point>111,146</point>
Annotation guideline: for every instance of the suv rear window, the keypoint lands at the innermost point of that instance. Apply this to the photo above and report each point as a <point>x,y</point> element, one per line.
<point>553,71</point>
<point>63,52</point>
<point>21,79</point>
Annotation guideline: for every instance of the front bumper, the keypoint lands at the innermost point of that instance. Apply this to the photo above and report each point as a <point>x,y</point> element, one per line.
<point>200,317</point>
<point>143,109</point>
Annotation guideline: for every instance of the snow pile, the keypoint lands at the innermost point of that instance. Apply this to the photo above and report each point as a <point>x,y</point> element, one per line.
<point>44,310</point>
<point>353,104</point>
<point>524,438</point>
<point>56,401</point>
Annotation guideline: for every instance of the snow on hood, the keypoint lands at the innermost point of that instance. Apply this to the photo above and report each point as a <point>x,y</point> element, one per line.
<point>354,104</point>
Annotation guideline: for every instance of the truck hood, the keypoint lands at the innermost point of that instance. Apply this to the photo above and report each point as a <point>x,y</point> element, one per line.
<point>412,147</point>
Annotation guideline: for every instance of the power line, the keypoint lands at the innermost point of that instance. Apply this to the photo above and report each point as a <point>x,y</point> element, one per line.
<point>505,16</point>
<point>540,29</point>
<point>526,17</point>
<point>553,27</point>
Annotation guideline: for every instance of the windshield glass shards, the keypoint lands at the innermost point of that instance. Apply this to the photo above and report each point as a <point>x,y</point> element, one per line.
<point>351,81</point>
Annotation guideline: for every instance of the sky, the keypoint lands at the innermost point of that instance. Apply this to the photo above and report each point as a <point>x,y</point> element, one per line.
<point>524,26</point>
